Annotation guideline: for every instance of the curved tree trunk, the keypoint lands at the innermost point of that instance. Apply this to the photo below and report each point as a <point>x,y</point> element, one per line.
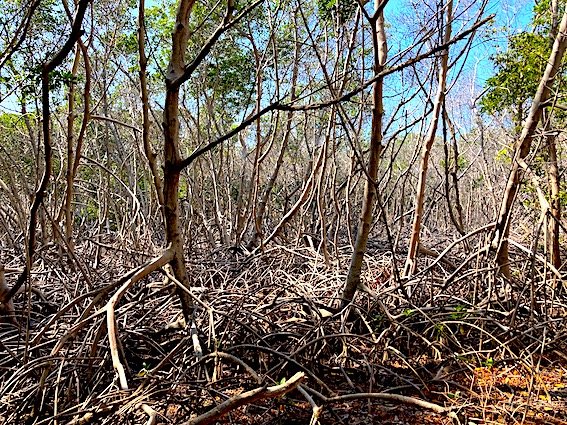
<point>523,146</point>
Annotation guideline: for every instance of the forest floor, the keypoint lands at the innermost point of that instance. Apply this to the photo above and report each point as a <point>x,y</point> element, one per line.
<point>439,348</point>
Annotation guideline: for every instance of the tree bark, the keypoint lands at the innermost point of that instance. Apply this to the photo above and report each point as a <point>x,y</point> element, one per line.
<point>426,152</point>
<point>523,146</point>
<point>172,157</point>
<point>380,55</point>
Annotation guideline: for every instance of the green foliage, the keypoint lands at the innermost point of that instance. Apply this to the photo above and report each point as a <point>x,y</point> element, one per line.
<point>563,197</point>
<point>230,75</point>
<point>461,163</point>
<point>440,330</point>
<point>542,15</point>
<point>183,190</point>
<point>519,70</point>
<point>330,10</point>
<point>478,182</point>
<point>503,155</point>
<point>91,212</point>
<point>11,121</point>
<point>128,43</point>
<point>61,77</point>
<point>159,26</point>
<point>377,319</point>
<point>50,16</point>
<point>459,313</point>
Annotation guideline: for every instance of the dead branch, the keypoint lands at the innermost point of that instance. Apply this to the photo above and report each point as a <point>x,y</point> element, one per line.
<point>255,395</point>
<point>160,261</point>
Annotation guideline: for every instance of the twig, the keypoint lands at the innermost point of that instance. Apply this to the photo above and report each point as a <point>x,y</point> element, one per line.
<point>316,409</point>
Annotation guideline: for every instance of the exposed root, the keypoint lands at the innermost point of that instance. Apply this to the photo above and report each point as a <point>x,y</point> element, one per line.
<point>273,316</point>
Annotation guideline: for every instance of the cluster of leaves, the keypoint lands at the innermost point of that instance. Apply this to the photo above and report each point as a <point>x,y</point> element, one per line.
<point>331,10</point>
<point>520,67</point>
<point>230,76</point>
<point>519,70</point>
<point>542,19</point>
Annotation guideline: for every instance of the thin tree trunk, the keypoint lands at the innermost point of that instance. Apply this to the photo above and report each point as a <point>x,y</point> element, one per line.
<point>74,150</point>
<point>426,152</point>
<point>451,174</point>
<point>380,54</point>
<point>143,60</point>
<point>553,168</point>
<point>523,146</point>
<point>266,194</point>
<point>555,204</point>
<point>46,69</point>
<point>70,154</point>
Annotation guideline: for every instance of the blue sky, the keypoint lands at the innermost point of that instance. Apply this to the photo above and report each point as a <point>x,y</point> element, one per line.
<point>511,17</point>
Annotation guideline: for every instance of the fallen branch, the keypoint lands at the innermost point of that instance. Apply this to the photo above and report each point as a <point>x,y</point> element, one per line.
<point>384,396</point>
<point>391,397</point>
<point>248,397</point>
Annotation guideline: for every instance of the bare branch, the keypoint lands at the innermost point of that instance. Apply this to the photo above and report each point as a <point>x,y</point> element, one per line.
<point>278,105</point>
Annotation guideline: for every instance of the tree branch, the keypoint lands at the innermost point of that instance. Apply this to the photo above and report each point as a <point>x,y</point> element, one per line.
<point>279,106</point>
<point>248,397</point>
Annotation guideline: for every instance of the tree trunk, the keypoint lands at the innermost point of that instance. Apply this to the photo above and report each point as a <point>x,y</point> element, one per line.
<point>553,169</point>
<point>172,157</point>
<point>555,204</point>
<point>46,68</point>
<point>380,54</point>
<point>67,206</point>
<point>523,146</point>
<point>426,152</point>
<point>143,60</point>
<point>451,175</point>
